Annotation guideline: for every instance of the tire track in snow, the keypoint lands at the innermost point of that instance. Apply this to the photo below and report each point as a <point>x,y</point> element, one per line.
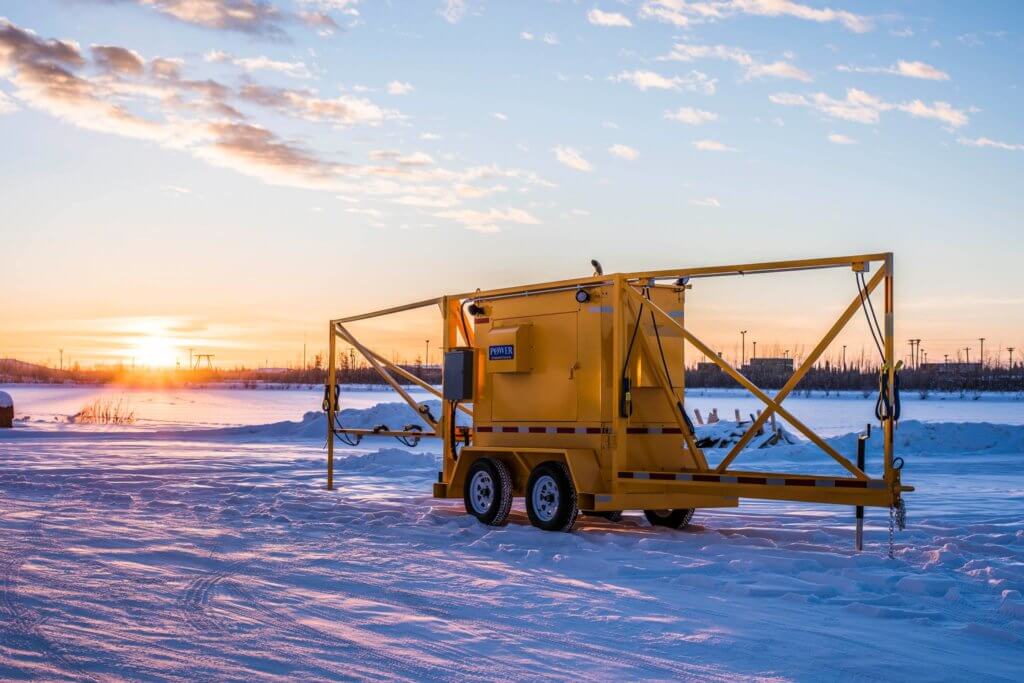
<point>18,624</point>
<point>272,628</point>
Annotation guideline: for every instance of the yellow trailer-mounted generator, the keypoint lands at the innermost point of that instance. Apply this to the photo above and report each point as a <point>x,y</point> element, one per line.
<point>576,395</point>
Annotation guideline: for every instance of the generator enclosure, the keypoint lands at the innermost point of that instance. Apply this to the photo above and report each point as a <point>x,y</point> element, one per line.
<point>589,373</point>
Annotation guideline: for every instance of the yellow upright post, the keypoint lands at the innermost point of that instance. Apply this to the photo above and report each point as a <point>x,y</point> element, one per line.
<point>618,441</point>
<point>889,426</point>
<point>332,379</point>
<point>447,414</point>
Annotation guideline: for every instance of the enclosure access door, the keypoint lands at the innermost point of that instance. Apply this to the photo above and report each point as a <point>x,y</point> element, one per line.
<point>545,390</point>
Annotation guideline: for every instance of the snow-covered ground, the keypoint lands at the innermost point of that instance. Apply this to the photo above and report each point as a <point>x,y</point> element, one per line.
<point>171,551</point>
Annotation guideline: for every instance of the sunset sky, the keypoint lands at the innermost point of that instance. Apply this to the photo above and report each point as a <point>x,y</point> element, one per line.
<point>230,175</point>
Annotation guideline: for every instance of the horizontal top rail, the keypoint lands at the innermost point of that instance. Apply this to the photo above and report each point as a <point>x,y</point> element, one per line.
<point>598,280</point>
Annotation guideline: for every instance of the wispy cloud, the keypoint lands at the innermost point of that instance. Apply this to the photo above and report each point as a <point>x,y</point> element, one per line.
<point>708,202</point>
<point>453,10</point>
<point>399,88</point>
<point>571,157</point>
<point>261,63</point>
<point>686,52</point>
<point>840,139</point>
<point>254,17</point>
<point>344,110</point>
<point>7,105</point>
<point>862,107</point>
<point>691,116</point>
<point>599,18</point>
<point>900,68</point>
<point>648,80</point>
<point>712,146</point>
<point>624,152</point>
<point>683,13</point>
<point>490,220</point>
<point>994,144</point>
<point>120,92</point>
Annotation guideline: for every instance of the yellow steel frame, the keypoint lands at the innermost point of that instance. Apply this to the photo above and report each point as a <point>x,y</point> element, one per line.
<point>628,293</point>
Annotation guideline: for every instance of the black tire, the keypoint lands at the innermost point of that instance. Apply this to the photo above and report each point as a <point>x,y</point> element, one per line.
<point>490,506</point>
<point>558,509</point>
<point>674,519</point>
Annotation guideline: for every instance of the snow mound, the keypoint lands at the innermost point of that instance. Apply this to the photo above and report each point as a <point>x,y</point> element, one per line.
<point>726,433</point>
<point>390,460</point>
<point>944,438</point>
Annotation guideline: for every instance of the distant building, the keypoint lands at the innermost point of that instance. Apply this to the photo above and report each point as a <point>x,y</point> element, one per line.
<point>271,371</point>
<point>769,366</point>
<point>955,368</point>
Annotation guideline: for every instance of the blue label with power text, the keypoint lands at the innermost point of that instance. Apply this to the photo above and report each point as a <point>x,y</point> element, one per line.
<point>501,352</point>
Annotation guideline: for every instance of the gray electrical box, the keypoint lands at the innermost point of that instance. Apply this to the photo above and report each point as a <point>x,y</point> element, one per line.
<point>458,375</point>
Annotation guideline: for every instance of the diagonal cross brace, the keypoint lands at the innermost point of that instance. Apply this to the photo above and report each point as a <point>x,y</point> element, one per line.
<point>750,386</point>
<point>370,356</point>
<point>808,363</point>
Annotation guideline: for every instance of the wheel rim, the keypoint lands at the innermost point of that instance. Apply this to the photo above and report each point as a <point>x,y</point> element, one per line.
<point>545,498</point>
<point>481,492</point>
<point>662,514</point>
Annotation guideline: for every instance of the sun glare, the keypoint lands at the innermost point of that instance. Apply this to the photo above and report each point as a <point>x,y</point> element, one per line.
<point>155,351</point>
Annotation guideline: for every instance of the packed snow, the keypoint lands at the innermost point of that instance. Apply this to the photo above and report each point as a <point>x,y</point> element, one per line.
<point>210,550</point>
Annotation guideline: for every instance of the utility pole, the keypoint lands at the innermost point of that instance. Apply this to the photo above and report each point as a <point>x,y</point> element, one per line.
<point>753,354</point>
<point>982,340</point>
<point>743,345</point>
<point>967,349</point>
<point>844,357</point>
<point>426,354</point>
<point>1010,349</point>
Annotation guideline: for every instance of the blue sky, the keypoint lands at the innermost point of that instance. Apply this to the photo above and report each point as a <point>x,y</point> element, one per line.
<point>233,174</point>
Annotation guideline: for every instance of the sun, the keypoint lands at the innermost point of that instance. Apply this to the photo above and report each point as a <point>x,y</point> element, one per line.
<point>155,350</point>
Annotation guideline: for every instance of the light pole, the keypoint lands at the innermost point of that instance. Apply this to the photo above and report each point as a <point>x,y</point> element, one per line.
<point>844,357</point>
<point>982,340</point>
<point>426,355</point>
<point>743,344</point>
<point>753,354</point>
<point>967,350</point>
<point>1010,349</point>
<point>61,359</point>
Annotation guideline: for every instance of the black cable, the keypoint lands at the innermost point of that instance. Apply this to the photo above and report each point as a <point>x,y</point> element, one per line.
<point>865,299</point>
<point>664,363</point>
<point>451,430</point>
<point>465,325</point>
<point>625,401</point>
<point>871,305</point>
<point>668,376</point>
<point>632,339</point>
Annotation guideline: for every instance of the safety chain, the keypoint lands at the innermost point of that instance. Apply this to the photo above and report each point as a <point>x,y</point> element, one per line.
<point>897,519</point>
<point>901,515</point>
